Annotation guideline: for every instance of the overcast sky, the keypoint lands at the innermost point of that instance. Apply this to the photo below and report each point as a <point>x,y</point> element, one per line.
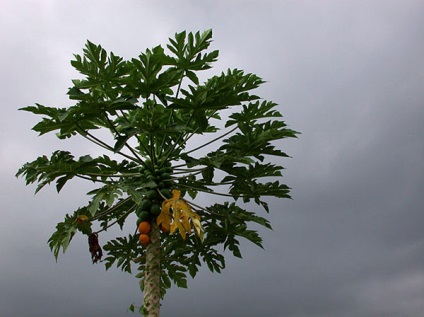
<point>347,74</point>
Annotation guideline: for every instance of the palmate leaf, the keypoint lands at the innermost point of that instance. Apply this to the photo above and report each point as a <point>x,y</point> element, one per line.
<point>91,109</point>
<point>188,51</point>
<point>230,221</point>
<point>217,160</point>
<point>152,120</point>
<point>145,80</point>
<point>219,92</point>
<point>181,258</point>
<point>255,190</point>
<point>239,170</point>
<point>66,230</point>
<point>79,221</point>
<point>63,235</point>
<point>255,140</point>
<point>98,67</point>
<point>192,186</point>
<point>99,94</point>
<point>252,112</point>
<point>118,213</point>
<point>60,167</point>
<point>54,121</point>
<point>122,250</point>
<point>252,171</point>
<point>109,193</point>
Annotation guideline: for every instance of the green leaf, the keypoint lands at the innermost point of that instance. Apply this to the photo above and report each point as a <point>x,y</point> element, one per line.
<point>120,142</point>
<point>122,250</point>
<point>255,140</point>
<point>230,221</point>
<point>108,194</point>
<point>62,237</point>
<point>207,174</point>
<point>193,77</point>
<point>59,119</point>
<point>252,112</point>
<point>131,308</point>
<point>66,230</point>
<point>60,167</point>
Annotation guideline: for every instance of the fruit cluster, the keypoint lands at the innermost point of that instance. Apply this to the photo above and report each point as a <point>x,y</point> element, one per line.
<point>159,180</point>
<point>144,229</point>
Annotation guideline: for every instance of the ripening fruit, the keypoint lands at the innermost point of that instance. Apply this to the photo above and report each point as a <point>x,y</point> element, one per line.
<point>144,227</point>
<point>81,219</point>
<point>144,239</point>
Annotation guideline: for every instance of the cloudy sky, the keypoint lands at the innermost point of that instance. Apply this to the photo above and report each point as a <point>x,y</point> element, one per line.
<point>348,74</point>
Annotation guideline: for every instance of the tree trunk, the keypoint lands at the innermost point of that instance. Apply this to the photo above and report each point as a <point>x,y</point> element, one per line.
<point>152,274</point>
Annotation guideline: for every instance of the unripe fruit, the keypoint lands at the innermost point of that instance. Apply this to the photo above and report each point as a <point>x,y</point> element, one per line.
<point>151,194</point>
<point>143,216</point>
<point>145,204</point>
<point>166,192</point>
<point>165,176</point>
<point>155,210</point>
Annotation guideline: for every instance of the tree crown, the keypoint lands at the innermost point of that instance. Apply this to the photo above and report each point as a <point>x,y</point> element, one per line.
<point>154,107</point>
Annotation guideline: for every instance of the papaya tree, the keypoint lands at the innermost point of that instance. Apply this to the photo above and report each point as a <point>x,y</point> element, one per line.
<point>171,143</point>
